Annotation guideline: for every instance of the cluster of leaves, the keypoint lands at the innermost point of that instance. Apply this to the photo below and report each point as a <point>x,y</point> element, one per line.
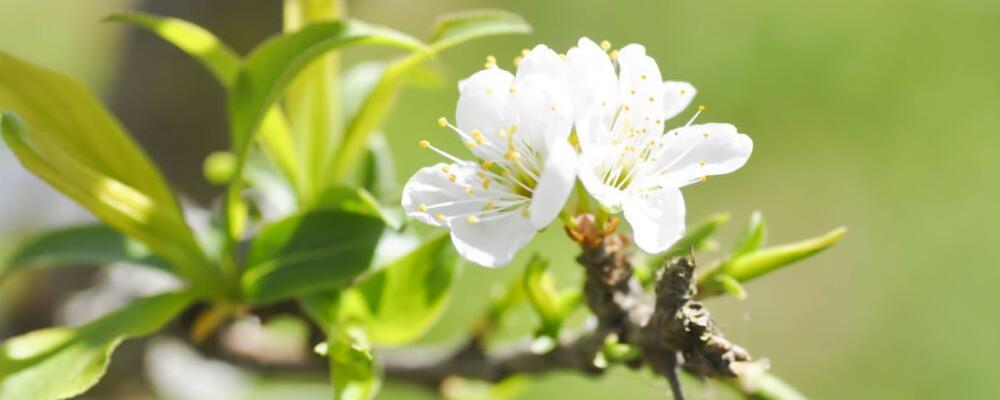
<point>295,134</point>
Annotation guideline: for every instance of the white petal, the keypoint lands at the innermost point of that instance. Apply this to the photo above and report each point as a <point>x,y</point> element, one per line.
<point>594,86</point>
<point>554,185</point>
<point>432,188</point>
<point>542,111</point>
<point>543,63</point>
<point>676,97</point>
<point>657,219</point>
<point>640,88</point>
<point>483,103</point>
<point>492,243</point>
<point>701,150</point>
<point>592,166</point>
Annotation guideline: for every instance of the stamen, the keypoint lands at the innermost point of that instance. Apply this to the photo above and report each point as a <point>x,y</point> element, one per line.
<point>452,178</point>
<point>605,45</point>
<point>703,178</point>
<point>422,207</point>
<point>524,52</point>
<point>473,219</point>
<point>442,122</point>
<point>424,144</point>
<point>469,191</point>
<point>517,60</point>
<point>440,217</point>
<point>614,55</point>
<point>701,109</point>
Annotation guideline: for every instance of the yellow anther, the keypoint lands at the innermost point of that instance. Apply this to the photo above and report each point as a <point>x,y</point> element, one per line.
<point>605,45</point>
<point>488,206</point>
<point>512,129</point>
<point>705,135</point>
<point>659,122</point>
<point>445,169</point>
<point>651,99</point>
<point>486,184</point>
<point>491,59</point>
<point>517,60</point>
<point>424,144</point>
<point>478,135</point>
<point>525,213</point>
<point>562,56</point>
<point>683,91</point>
<point>422,207</point>
<point>487,164</point>
<point>701,108</point>
<point>513,90</point>
<point>524,52</point>
<point>701,163</point>
<point>442,122</point>
<point>440,217</point>
<point>469,191</point>
<point>502,133</point>
<point>703,178</point>
<point>631,91</point>
<point>626,107</point>
<point>470,144</point>
<point>643,76</point>
<point>614,55</point>
<point>473,219</point>
<point>452,178</point>
<point>512,155</point>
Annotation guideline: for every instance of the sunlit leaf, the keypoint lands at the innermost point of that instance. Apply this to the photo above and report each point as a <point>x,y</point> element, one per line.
<point>309,252</point>
<point>358,200</point>
<point>753,237</point>
<point>352,367</point>
<point>551,306</point>
<point>90,179</point>
<point>58,363</point>
<point>224,64</point>
<point>451,30</point>
<point>403,299</point>
<point>693,239</point>
<point>78,245</point>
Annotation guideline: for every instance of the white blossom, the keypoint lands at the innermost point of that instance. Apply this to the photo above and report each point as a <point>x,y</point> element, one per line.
<point>628,161</point>
<point>517,126</point>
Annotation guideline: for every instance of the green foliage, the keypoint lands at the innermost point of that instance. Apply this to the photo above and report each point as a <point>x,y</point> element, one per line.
<point>352,368</point>
<point>309,252</point>
<point>403,299</point>
<point>84,152</point>
<point>551,306</point>
<point>79,245</point>
<point>58,363</point>
<point>754,236</point>
<point>452,30</point>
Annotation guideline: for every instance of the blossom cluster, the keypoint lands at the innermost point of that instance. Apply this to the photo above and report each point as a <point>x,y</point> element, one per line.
<point>592,115</point>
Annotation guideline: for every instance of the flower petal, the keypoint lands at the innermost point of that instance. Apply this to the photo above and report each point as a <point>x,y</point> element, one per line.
<point>483,103</point>
<point>431,192</point>
<point>541,110</point>
<point>592,166</point>
<point>554,185</point>
<point>676,97</point>
<point>543,63</point>
<point>494,242</point>
<point>657,219</point>
<point>594,86</point>
<point>695,151</point>
<point>640,89</point>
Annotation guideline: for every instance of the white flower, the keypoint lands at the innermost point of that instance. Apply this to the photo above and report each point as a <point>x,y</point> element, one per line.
<point>518,128</point>
<point>628,163</point>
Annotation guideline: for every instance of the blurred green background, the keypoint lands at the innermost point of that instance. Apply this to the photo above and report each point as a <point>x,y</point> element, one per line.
<point>880,115</point>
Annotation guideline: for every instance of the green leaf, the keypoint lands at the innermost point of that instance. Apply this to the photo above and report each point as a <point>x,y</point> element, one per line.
<point>457,28</point>
<point>352,366</point>
<point>753,237</point>
<point>224,64</point>
<point>269,69</point>
<point>58,363</point>
<point>403,299</point>
<point>155,221</point>
<point>765,260</point>
<point>359,201</point>
<point>309,252</point>
<point>192,39</point>
<point>551,306</point>
<point>84,244</point>
<point>451,30</point>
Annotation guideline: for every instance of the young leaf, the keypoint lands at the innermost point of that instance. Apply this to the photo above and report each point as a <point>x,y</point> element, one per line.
<point>765,260</point>
<point>310,252</point>
<point>83,244</point>
<point>58,363</point>
<point>358,200</point>
<point>753,237</point>
<point>268,71</point>
<point>352,366</point>
<point>402,300</point>
<point>452,30</point>
<point>694,238</point>
<point>551,306</point>
<point>159,225</point>
<point>224,64</point>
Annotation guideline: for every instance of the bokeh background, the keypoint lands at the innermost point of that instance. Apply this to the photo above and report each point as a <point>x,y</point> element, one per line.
<point>879,115</point>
